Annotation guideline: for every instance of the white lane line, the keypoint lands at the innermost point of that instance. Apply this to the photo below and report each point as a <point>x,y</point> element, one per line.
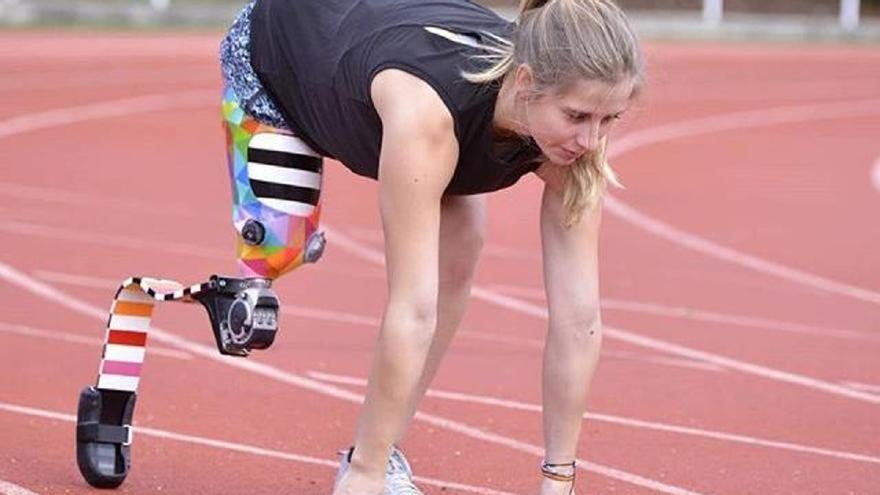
<point>605,353</point>
<point>66,116</point>
<point>689,128</point>
<point>106,47</point>
<point>26,331</point>
<point>875,175</point>
<point>115,108</point>
<point>698,315</point>
<point>101,78</point>
<point>867,387</point>
<point>301,311</point>
<point>7,488</point>
<point>335,316</point>
<point>34,193</point>
<point>231,446</point>
<point>111,240</point>
<point>52,294</point>
<point>773,116</point>
<point>715,250</point>
<point>373,323</point>
<point>725,122</point>
<point>527,308</point>
<point>690,354</point>
<point>617,420</point>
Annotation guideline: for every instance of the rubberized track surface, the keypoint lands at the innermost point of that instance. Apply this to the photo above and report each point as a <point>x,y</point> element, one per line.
<point>740,276</point>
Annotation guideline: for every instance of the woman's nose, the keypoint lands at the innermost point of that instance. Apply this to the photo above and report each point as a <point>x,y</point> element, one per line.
<point>588,136</point>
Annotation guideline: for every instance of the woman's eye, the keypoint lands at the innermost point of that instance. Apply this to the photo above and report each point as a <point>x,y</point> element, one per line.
<point>611,118</point>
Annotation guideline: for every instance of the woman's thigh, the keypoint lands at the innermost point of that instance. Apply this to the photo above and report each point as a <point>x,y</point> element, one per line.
<point>462,232</point>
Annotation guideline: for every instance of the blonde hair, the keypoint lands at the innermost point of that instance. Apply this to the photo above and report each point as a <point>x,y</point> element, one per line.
<point>563,41</point>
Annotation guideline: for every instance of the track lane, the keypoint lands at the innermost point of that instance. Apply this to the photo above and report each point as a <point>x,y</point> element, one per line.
<point>350,202</point>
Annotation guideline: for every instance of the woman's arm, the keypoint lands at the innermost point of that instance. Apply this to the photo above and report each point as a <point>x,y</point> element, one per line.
<point>571,280</point>
<point>419,153</point>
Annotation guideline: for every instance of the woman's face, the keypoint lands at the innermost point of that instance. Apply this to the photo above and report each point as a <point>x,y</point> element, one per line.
<point>570,121</point>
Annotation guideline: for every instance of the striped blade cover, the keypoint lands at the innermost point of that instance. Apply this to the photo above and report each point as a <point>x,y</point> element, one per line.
<point>126,338</point>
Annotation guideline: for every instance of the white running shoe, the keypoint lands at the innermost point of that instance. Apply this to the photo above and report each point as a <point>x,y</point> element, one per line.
<point>398,473</point>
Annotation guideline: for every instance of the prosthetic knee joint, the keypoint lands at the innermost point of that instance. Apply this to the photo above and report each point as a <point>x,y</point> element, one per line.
<point>276,184</point>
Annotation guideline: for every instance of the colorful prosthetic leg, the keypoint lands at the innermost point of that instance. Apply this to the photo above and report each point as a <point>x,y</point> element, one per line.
<point>276,188</point>
<point>244,314</point>
<point>104,414</point>
<point>276,185</point>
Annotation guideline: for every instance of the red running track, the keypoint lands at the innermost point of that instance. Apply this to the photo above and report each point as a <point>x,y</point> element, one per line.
<point>740,274</point>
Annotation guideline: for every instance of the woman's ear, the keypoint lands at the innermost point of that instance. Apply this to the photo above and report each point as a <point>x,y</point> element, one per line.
<point>524,80</point>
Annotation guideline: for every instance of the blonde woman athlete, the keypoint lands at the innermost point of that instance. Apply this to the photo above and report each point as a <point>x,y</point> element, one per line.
<point>441,101</point>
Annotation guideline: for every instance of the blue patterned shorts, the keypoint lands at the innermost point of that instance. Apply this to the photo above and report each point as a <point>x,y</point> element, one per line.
<point>239,75</point>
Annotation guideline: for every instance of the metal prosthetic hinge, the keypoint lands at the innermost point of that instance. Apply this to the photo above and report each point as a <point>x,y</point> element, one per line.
<point>243,313</point>
<point>314,247</point>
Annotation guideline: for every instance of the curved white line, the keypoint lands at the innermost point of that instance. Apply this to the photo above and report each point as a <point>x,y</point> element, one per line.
<point>225,445</point>
<point>8,488</point>
<point>745,119</point>
<point>92,78</point>
<point>115,108</point>
<point>875,175</point>
<point>738,120</point>
<point>60,117</point>
<point>95,343</point>
<point>50,293</point>
<point>634,338</point>
<point>618,420</point>
<point>368,253</point>
<point>689,128</point>
<point>55,47</point>
<point>715,250</point>
<point>681,312</point>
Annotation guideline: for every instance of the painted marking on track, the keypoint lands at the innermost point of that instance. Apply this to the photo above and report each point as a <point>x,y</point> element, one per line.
<point>301,311</point>
<point>8,488</point>
<point>699,315</point>
<point>663,133</point>
<point>374,323</point>
<point>231,446</point>
<point>617,420</point>
<point>867,387</point>
<point>108,109</point>
<point>73,198</point>
<point>50,293</point>
<point>94,79</point>
<point>74,47</point>
<point>725,122</point>
<point>875,175</point>
<point>26,331</point>
<point>531,293</point>
<point>156,102</point>
<point>527,308</point>
<point>622,355</point>
<point>127,242</point>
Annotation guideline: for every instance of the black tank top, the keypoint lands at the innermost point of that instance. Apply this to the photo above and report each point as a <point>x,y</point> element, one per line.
<point>317,58</point>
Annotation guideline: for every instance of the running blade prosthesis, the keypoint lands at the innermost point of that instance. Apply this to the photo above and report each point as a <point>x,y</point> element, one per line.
<point>276,189</point>
<point>244,316</point>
